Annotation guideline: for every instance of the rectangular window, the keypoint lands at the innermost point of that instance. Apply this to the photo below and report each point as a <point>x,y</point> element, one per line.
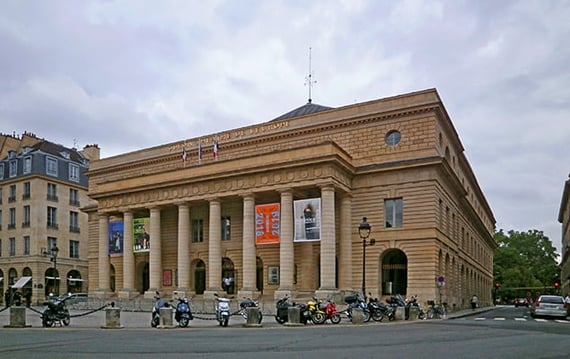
<point>1,171</point>
<point>12,195</point>
<point>27,190</point>
<point>52,217</point>
<point>13,168</point>
<point>52,243</point>
<point>27,164</point>
<point>226,228</point>
<point>197,230</point>
<point>393,212</point>
<point>0,219</point>
<point>12,223</point>
<point>74,222</point>
<point>73,197</point>
<point>73,249</point>
<point>26,222</point>
<point>26,245</point>
<point>12,252</point>
<point>52,192</point>
<point>51,166</point>
<point>73,172</point>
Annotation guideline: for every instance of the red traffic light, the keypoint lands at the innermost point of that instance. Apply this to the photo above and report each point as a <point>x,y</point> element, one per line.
<point>556,284</point>
<point>497,285</point>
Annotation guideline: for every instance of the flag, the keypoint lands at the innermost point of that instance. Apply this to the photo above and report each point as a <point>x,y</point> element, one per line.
<point>199,151</point>
<point>184,154</point>
<point>215,149</point>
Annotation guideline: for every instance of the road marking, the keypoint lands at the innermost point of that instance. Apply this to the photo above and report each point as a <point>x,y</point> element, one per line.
<point>499,318</point>
<point>540,320</point>
<point>521,319</point>
<point>480,318</point>
<point>562,321</point>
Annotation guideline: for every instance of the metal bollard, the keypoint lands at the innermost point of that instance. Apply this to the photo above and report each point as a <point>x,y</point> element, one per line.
<point>17,318</point>
<point>357,316</point>
<point>294,316</point>
<point>166,318</point>
<point>253,318</point>
<point>112,319</point>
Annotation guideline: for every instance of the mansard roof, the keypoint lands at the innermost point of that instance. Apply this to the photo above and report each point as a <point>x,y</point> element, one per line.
<point>307,109</point>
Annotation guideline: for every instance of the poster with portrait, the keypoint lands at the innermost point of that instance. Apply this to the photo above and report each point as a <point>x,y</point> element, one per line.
<point>307,214</point>
<point>267,223</point>
<point>141,234</point>
<point>116,235</point>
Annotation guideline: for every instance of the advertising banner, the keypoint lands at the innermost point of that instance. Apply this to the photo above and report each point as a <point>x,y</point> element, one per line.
<point>141,234</point>
<point>307,219</point>
<point>116,235</point>
<point>267,223</point>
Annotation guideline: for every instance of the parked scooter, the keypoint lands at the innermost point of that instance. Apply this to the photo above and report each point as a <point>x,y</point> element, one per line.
<point>249,303</point>
<point>413,302</point>
<point>398,301</point>
<point>316,315</point>
<point>183,314</point>
<point>56,311</point>
<point>330,311</point>
<point>379,310</point>
<point>356,301</point>
<point>155,314</point>
<point>282,311</point>
<point>222,310</point>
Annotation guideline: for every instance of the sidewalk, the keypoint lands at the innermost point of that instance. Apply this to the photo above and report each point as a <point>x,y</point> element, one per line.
<point>467,312</point>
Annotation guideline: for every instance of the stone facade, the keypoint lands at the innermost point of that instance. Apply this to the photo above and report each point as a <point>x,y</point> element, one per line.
<point>564,219</point>
<point>397,161</point>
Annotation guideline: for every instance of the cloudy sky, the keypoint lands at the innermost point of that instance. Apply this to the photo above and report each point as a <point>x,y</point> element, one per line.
<point>128,75</point>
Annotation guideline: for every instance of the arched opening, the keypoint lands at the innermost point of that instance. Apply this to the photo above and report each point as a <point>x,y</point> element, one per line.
<point>51,281</point>
<point>27,288</point>
<point>259,274</point>
<point>199,276</point>
<point>12,276</point>
<point>74,282</point>
<point>229,276</point>
<point>394,272</point>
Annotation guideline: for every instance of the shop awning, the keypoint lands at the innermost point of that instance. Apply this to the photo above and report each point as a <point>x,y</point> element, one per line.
<point>21,282</point>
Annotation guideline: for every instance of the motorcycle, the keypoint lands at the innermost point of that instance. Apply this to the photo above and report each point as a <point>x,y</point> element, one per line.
<point>249,303</point>
<point>155,314</point>
<point>56,311</point>
<point>330,312</point>
<point>222,310</point>
<point>379,310</point>
<point>357,301</point>
<point>316,315</point>
<point>282,311</point>
<point>183,314</point>
<point>413,302</point>
<point>398,301</point>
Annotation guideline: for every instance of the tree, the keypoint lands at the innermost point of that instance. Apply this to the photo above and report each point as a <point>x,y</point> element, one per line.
<point>525,259</point>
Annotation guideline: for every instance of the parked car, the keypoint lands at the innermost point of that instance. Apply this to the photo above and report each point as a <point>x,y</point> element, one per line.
<point>549,306</point>
<point>521,302</point>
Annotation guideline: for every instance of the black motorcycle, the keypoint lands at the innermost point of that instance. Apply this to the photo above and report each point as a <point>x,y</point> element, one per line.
<point>379,310</point>
<point>398,301</point>
<point>56,311</point>
<point>413,302</point>
<point>155,314</point>
<point>357,300</point>
<point>183,314</point>
<point>249,303</point>
<point>282,311</point>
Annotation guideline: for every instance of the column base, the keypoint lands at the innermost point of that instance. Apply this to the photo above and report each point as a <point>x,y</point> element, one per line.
<point>328,293</point>
<point>127,293</point>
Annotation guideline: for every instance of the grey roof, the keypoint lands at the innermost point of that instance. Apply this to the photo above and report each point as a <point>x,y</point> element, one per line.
<point>306,109</point>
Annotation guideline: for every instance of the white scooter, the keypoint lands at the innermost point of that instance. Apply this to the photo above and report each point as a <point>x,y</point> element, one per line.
<point>222,310</point>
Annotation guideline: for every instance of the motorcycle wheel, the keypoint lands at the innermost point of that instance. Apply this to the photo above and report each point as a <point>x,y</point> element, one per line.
<point>154,322</point>
<point>335,319</point>
<point>366,316</point>
<point>183,322</point>
<point>226,320</point>
<point>391,317</point>
<point>66,320</point>
<point>279,320</point>
<point>47,320</point>
<point>319,317</point>
<point>377,316</point>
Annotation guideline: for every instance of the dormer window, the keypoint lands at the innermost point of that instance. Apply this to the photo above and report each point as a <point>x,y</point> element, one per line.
<point>64,154</point>
<point>13,168</point>
<point>51,166</point>
<point>11,154</point>
<point>73,172</point>
<point>27,164</point>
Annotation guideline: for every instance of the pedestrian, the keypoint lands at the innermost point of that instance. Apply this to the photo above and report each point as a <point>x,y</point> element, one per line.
<point>7,298</point>
<point>474,301</point>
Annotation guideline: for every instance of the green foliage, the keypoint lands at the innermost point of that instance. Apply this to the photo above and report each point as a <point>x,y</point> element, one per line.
<point>525,259</point>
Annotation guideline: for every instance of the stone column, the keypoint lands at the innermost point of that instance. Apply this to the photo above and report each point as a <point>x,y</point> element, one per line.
<point>183,249</point>
<point>328,243</point>
<point>128,290</point>
<point>345,255</point>
<point>214,249</point>
<point>103,267</point>
<point>248,247</point>
<point>286,249</point>
<point>155,253</point>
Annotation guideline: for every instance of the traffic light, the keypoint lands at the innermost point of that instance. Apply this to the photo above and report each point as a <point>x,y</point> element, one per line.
<point>556,285</point>
<point>497,285</point>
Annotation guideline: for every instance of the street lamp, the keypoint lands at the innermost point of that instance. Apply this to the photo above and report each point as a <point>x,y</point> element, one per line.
<point>53,258</point>
<point>364,231</point>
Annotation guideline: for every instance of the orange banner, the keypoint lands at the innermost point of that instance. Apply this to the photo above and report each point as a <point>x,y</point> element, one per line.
<point>267,223</point>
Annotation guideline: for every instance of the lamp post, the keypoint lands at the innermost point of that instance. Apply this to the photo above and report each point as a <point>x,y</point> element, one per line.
<point>364,231</point>
<point>53,258</point>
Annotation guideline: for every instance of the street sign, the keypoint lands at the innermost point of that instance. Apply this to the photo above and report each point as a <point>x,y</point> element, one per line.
<point>441,279</point>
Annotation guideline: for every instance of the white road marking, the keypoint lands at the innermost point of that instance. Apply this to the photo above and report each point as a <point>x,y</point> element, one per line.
<point>480,318</point>
<point>500,318</point>
<point>520,319</point>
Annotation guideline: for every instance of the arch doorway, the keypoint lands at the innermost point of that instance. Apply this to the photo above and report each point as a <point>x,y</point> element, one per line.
<point>51,281</point>
<point>199,276</point>
<point>143,277</point>
<point>394,272</point>
<point>74,282</point>
<point>229,276</point>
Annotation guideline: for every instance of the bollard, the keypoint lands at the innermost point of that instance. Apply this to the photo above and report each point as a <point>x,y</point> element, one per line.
<point>414,313</point>
<point>400,313</point>
<point>357,316</point>
<point>253,317</point>
<point>166,318</point>
<point>17,318</point>
<point>112,318</point>
<point>294,316</point>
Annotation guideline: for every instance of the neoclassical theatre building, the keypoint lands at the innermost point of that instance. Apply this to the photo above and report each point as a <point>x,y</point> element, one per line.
<point>275,208</point>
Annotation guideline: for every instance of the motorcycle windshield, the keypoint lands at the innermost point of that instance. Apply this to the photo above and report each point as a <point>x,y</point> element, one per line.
<point>224,306</point>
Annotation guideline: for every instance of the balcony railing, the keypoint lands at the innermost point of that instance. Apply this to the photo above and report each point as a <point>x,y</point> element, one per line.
<point>52,226</point>
<point>26,224</point>
<point>74,229</point>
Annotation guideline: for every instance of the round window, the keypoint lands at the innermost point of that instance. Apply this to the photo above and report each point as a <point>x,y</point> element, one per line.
<point>393,137</point>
